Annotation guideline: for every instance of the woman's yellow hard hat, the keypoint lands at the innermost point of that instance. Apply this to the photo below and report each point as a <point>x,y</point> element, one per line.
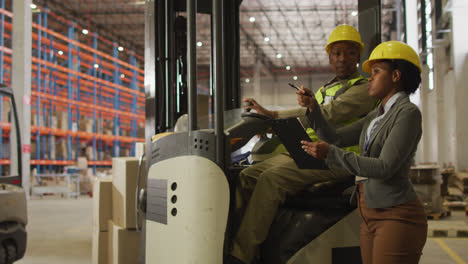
<point>392,50</point>
<point>344,33</point>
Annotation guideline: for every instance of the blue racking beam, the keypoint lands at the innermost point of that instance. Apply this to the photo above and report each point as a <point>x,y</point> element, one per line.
<point>78,97</point>
<point>38,85</point>
<point>116,147</point>
<point>71,31</point>
<point>94,101</point>
<point>133,86</point>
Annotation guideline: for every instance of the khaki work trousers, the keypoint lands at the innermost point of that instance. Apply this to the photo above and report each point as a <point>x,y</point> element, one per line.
<point>261,189</point>
<point>392,235</point>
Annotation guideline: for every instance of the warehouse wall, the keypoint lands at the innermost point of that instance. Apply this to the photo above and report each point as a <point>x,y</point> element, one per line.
<point>460,66</point>
<point>444,109</point>
<point>276,92</point>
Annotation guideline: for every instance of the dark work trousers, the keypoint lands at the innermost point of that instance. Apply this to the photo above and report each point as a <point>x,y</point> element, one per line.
<point>392,235</point>
<point>262,188</point>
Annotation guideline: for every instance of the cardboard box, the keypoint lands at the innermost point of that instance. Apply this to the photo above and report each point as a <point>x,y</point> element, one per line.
<point>100,247</point>
<point>139,149</point>
<point>124,177</point>
<point>90,153</point>
<point>62,120</point>
<point>82,163</point>
<point>6,108</point>
<point>102,204</point>
<point>124,245</point>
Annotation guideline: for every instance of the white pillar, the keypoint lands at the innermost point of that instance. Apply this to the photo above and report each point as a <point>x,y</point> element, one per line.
<point>412,24</point>
<point>460,66</point>
<point>21,78</point>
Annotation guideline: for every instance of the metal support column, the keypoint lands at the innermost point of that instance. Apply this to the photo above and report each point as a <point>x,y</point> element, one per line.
<point>192,63</point>
<point>21,82</point>
<point>218,80</point>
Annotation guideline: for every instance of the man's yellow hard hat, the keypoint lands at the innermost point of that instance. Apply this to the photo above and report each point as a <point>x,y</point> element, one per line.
<point>392,50</point>
<point>344,33</point>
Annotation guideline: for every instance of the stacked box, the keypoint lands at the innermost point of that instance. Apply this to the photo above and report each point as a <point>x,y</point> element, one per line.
<point>102,214</point>
<point>139,149</point>
<point>461,181</point>
<point>34,120</point>
<point>90,153</point>
<point>6,108</point>
<point>52,151</point>
<point>62,120</point>
<point>124,245</point>
<point>124,182</point>
<point>61,149</point>
<point>141,130</point>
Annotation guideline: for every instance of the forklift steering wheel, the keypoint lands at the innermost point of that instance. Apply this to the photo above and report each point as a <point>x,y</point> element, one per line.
<point>255,115</point>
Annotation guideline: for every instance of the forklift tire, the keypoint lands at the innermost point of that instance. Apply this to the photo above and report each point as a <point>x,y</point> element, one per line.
<point>3,255</point>
<point>11,252</point>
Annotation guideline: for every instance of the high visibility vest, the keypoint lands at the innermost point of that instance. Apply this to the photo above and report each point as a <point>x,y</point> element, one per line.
<point>321,100</point>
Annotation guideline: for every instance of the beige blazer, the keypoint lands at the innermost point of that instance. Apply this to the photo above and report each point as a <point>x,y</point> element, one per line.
<point>390,152</point>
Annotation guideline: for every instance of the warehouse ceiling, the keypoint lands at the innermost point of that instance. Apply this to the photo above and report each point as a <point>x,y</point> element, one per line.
<point>277,33</point>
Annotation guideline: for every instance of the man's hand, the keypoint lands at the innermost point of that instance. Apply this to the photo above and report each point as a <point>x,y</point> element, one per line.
<point>252,104</point>
<point>317,149</point>
<point>304,100</point>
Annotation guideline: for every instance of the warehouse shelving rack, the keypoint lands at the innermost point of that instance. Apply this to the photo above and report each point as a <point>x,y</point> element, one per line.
<point>97,93</point>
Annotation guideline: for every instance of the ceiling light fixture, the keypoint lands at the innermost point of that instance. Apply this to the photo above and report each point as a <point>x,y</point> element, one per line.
<point>354,13</point>
<point>120,48</point>
<point>252,19</point>
<point>122,75</point>
<point>247,80</point>
<point>288,67</point>
<point>33,6</point>
<point>295,77</point>
<point>266,39</point>
<point>85,31</point>
<point>96,65</point>
<point>279,56</point>
<point>199,43</point>
<point>60,52</point>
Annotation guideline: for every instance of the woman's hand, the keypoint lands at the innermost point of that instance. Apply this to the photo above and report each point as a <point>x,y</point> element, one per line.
<point>304,100</point>
<point>317,149</point>
<point>252,104</point>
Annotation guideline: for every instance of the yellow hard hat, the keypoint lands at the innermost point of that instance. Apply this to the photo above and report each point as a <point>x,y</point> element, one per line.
<point>344,33</point>
<point>392,50</point>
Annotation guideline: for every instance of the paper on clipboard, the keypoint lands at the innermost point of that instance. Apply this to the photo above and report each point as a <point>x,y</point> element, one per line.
<point>291,132</point>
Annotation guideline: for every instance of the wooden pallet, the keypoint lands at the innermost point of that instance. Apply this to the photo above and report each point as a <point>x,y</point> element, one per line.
<point>441,232</point>
<point>456,205</point>
<point>437,216</point>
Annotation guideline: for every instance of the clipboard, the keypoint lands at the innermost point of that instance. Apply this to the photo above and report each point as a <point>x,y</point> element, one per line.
<point>291,132</point>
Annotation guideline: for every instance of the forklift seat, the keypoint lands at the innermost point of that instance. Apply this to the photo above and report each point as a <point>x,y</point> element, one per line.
<point>305,216</point>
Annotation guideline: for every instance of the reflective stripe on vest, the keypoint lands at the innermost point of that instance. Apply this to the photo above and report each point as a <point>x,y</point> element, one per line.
<point>331,92</point>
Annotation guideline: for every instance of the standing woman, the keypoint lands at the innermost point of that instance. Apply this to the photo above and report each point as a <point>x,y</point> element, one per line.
<point>394,225</point>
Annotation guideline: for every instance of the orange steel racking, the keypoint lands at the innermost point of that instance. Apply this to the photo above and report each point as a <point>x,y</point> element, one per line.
<point>97,95</point>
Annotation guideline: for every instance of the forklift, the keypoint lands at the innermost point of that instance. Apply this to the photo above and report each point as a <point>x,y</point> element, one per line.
<point>190,176</point>
<point>13,210</point>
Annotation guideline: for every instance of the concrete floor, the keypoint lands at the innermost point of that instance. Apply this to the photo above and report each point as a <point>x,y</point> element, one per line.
<point>59,232</point>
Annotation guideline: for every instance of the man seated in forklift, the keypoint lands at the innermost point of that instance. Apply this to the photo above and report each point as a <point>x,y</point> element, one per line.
<point>263,187</point>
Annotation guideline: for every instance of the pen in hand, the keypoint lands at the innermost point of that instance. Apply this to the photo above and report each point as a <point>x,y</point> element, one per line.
<point>297,88</point>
